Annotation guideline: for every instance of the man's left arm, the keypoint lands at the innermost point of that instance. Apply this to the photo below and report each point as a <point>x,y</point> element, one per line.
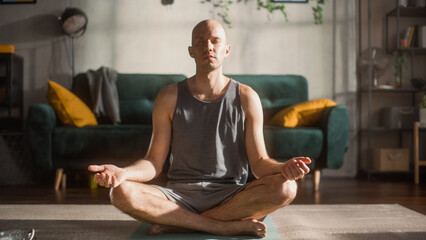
<point>260,163</point>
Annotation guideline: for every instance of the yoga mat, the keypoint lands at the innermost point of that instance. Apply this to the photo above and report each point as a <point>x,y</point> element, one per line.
<point>143,229</point>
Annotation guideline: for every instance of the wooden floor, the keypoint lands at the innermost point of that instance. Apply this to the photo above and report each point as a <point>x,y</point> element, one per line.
<point>332,191</point>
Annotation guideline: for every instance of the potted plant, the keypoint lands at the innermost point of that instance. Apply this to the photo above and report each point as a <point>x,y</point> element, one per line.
<point>399,66</point>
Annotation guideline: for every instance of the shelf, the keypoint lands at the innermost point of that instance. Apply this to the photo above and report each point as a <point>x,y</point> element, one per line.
<point>408,12</point>
<point>404,12</point>
<point>377,98</point>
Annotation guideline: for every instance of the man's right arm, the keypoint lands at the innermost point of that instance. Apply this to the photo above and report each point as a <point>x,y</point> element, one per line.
<point>151,166</point>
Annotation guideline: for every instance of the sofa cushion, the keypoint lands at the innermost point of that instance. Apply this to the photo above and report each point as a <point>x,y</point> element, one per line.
<point>284,143</point>
<point>101,142</point>
<point>71,111</point>
<point>303,114</point>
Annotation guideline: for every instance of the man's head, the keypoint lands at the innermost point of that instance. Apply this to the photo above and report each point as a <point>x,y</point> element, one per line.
<point>209,44</point>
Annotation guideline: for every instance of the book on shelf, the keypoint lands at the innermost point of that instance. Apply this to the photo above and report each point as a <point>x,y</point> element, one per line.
<point>405,37</point>
<point>410,37</point>
<point>414,37</point>
<point>414,41</point>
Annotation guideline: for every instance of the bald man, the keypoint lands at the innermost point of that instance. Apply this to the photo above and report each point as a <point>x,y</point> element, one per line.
<point>214,128</point>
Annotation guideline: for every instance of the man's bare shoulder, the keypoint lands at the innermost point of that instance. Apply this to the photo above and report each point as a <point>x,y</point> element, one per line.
<point>169,93</point>
<point>247,94</point>
<point>167,98</point>
<point>250,101</point>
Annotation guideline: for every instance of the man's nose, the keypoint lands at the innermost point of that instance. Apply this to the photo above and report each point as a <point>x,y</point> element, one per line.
<point>209,45</point>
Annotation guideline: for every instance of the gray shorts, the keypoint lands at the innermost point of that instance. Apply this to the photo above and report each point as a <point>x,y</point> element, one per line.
<point>200,197</point>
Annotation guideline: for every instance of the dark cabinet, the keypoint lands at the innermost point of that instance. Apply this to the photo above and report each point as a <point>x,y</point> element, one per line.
<point>11,92</point>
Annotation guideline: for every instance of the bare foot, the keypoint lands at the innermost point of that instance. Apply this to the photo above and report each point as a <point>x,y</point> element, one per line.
<point>250,227</point>
<point>162,229</point>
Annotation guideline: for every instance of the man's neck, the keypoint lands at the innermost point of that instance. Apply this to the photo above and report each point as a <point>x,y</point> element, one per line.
<point>208,86</point>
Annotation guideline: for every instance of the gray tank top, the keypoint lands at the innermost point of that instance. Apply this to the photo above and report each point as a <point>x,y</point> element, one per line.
<point>208,139</point>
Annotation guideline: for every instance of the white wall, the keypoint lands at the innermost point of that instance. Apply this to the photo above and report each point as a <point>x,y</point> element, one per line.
<point>145,36</point>
<point>135,36</point>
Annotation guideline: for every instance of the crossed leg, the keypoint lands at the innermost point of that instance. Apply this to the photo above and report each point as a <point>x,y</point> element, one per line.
<point>235,217</point>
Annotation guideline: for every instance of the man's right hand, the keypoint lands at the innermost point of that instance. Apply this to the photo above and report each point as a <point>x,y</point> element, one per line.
<point>108,175</point>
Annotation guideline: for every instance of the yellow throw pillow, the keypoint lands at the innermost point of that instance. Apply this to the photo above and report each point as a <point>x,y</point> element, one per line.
<point>70,110</point>
<point>302,114</point>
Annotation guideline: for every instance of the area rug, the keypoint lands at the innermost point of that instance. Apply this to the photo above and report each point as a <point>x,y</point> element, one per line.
<point>378,221</point>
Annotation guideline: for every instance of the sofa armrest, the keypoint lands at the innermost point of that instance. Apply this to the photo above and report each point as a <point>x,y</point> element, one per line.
<point>335,126</point>
<point>40,124</point>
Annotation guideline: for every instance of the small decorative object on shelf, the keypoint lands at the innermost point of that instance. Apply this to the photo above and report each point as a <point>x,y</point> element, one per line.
<point>398,82</point>
<point>379,63</point>
<point>403,3</point>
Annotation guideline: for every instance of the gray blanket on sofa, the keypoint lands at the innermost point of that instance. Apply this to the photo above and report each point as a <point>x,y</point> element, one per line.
<point>104,94</point>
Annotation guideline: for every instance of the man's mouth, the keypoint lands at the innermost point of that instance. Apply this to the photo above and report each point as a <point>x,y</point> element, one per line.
<point>209,57</point>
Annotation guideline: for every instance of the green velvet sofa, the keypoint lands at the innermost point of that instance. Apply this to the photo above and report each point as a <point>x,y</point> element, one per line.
<point>54,146</point>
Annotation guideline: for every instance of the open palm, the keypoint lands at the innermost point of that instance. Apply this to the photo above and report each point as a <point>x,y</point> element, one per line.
<point>108,175</point>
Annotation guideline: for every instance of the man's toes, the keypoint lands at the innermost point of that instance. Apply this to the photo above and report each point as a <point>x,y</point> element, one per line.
<point>259,225</point>
<point>260,228</point>
<point>155,230</point>
<point>261,234</point>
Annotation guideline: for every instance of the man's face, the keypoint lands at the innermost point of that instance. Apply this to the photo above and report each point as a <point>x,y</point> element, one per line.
<point>209,46</point>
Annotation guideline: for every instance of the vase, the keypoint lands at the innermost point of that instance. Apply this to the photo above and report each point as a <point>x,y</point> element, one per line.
<point>398,83</point>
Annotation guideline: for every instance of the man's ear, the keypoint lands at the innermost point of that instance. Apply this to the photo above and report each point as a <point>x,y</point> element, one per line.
<point>191,53</point>
<point>227,50</point>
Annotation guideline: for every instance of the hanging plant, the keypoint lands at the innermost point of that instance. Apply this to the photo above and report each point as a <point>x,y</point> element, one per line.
<point>224,6</point>
<point>317,11</point>
<point>271,7</point>
<point>268,5</point>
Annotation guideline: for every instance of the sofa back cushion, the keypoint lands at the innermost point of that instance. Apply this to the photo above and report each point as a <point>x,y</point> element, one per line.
<point>136,93</point>
<point>276,92</point>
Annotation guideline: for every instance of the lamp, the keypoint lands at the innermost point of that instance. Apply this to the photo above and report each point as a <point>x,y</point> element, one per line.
<point>73,24</point>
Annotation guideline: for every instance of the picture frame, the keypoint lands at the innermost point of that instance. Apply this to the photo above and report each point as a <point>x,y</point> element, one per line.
<point>18,1</point>
<point>290,1</point>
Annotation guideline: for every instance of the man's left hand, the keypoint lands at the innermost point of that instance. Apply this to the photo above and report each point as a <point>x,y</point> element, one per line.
<point>295,168</point>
